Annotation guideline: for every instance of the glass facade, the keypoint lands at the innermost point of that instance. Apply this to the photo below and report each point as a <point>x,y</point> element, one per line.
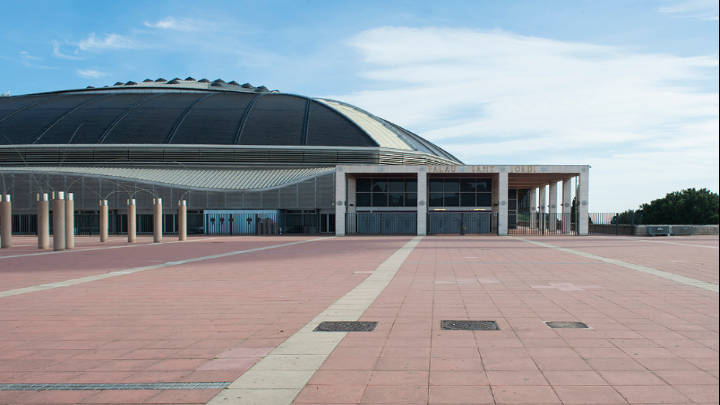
<point>386,192</point>
<point>460,192</point>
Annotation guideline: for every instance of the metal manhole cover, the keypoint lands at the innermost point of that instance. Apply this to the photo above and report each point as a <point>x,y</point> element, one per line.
<point>566,324</point>
<point>346,326</point>
<point>469,325</point>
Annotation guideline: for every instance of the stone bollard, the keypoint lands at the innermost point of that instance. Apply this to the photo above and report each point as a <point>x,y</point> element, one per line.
<point>58,220</point>
<point>157,220</point>
<point>69,221</point>
<point>43,221</point>
<point>103,220</point>
<point>182,220</point>
<point>5,221</point>
<point>131,229</point>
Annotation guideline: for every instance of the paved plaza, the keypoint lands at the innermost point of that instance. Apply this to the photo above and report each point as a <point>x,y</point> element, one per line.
<point>230,320</point>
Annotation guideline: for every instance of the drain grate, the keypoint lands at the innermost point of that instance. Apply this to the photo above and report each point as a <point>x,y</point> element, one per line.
<point>469,325</point>
<point>114,387</point>
<point>566,324</point>
<point>346,326</point>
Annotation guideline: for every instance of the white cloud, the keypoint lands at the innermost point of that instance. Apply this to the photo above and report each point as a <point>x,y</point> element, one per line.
<point>702,9</point>
<point>172,23</point>
<point>57,52</point>
<point>31,61</point>
<point>110,41</point>
<point>91,73</point>
<point>496,97</point>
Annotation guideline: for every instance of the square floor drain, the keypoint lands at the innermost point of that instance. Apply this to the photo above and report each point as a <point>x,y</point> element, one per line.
<point>468,325</point>
<point>564,324</point>
<point>346,326</point>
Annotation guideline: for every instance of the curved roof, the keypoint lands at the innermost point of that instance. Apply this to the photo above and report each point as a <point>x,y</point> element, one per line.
<point>190,112</point>
<point>206,179</point>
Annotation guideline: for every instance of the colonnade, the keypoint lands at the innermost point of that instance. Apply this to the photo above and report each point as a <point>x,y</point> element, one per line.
<point>544,207</point>
<point>63,218</point>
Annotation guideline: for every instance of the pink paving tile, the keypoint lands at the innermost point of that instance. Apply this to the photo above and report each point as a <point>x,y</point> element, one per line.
<point>456,364</point>
<point>183,397</point>
<point>615,364</point>
<point>690,377</point>
<point>476,395</point>
<point>332,377</point>
<point>458,378</point>
<point>328,394</point>
<point>524,394</point>
<point>402,363</point>
<point>699,393</point>
<point>120,397</point>
<point>398,378</point>
<point>380,394</point>
<point>651,394</point>
<point>54,397</point>
<point>586,378</point>
<point>516,378</point>
<point>227,364</point>
<point>561,363</point>
<point>588,395</point>
<point>631,378</point>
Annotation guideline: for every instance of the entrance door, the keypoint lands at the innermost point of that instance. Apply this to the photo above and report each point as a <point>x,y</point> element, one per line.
<point>469,222</point>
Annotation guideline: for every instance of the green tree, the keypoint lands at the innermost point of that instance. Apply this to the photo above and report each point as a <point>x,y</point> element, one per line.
<point>689,206</point>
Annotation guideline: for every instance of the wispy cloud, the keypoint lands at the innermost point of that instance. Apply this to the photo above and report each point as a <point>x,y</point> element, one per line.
<point>109,41</point>
<point>32,61</point>
<point>496,97</point>
<point>57,52</point>
<point>702,9</point>
<point>91,73</point>
<point>176,24</point>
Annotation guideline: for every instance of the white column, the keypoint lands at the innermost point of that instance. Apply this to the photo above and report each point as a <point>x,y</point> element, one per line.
<point>43,221</point>
<point>503,202</point>
<point>58,220</point>
<point>552,207</point>
<point>566,205</point>
<point>340,201</point>
<point>422,202</point>
<point>103,220</point>
<point>351,204</point>
<point>543,204</point>
<point>583,191</point>
<point>5,221</point>
<point>182,220</point>
<point>532,196</point>
<point>69,221</point>
<point>157,220</point>
<point>131,227</point>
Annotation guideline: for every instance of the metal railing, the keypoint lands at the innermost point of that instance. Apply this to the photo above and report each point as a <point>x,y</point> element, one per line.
<point>381,223</point>
<point>540,223</point>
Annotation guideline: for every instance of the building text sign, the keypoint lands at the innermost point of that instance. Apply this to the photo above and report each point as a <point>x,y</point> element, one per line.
<point>482,169</point>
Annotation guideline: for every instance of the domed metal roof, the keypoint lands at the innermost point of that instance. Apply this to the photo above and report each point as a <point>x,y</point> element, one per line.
<point>150,113</point>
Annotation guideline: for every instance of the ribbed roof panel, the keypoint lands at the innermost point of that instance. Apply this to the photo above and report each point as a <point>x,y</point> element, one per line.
<point>140,114</point>
<point>209,179</point>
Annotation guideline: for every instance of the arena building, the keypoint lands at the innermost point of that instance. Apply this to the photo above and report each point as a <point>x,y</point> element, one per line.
<point>249,160</point>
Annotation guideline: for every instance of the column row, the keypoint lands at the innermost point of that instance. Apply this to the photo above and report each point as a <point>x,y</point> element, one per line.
<point>63,217</point>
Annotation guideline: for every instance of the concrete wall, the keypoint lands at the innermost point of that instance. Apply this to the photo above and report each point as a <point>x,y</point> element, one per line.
<point>641,230</point>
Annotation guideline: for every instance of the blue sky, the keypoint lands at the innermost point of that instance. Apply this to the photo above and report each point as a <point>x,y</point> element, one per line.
<point>630,87</point>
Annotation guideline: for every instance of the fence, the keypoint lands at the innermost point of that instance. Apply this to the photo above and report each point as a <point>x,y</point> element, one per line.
<point>461,223</point>
<point>381,223</point>
<point>541,223</point>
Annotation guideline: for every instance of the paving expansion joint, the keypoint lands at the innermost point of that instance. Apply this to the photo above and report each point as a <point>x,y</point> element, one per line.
<point>114,387</point>
<point>643,269</point>
<point>280,376</point>
<point>82,280</point>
